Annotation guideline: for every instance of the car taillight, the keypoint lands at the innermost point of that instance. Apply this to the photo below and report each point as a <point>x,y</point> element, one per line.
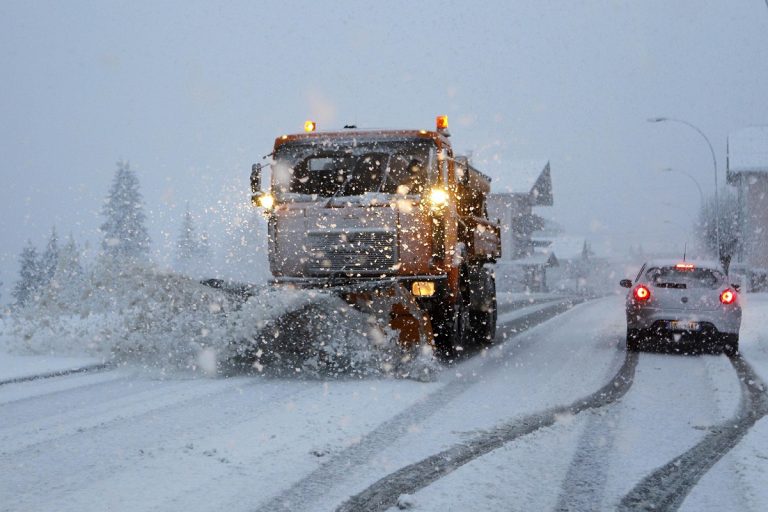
<point>728,297</point>
<point>641,293</point>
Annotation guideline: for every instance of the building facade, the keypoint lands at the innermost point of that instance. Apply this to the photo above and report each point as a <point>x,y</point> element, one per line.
<point>747,170</point>
<point>523,186</point>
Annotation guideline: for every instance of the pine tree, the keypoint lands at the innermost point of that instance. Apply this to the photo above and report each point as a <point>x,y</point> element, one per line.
<point>50,257</point>
<point>67,285</point>
<point>31,277</point>
<point>192,250</point>
<point>125,235</point>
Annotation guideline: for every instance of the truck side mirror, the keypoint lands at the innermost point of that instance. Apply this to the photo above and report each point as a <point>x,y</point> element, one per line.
<point>626,283</point>
<point>256,179</point>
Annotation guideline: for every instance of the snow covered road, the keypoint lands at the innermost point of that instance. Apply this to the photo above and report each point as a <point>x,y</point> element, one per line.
<point>127,439</point>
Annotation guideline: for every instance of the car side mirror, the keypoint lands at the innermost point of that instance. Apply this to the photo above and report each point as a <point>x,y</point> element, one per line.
<point>626,283</point>
<point>736,287</point>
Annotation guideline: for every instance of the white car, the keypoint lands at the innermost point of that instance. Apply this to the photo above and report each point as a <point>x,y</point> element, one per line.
<point>671,303</point>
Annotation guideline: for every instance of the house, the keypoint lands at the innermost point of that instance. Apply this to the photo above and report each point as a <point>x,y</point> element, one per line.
<point>574,256</point>
<point>747,170</point>
<point>518,188</point>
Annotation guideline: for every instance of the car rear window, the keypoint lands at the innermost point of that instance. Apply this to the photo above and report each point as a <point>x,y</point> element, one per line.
<point>671,277</point>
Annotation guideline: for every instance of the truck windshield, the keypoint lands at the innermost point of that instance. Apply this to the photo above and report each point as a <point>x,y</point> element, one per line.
<point>353,167</point>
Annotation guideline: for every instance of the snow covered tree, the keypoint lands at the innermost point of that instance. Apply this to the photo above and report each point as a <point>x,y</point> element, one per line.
<point>67,287</point>
<point>192,250</point>
<point>50,257</point>
<point>730,225</point>
<point>31,277</point>
<point>125,234</point>
<point>246,248</point>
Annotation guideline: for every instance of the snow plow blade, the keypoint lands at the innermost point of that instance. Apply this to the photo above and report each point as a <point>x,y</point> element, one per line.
<point>387,301</point>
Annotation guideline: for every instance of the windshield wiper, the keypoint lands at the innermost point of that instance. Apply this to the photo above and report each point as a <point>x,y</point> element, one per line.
<point>385,174</point>
<point>338,190</point>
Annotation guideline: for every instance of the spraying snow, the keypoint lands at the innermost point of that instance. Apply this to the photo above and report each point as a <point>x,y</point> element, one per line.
<point>168,321</point>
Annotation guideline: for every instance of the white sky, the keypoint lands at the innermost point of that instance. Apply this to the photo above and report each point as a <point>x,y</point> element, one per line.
<point>193,92</point>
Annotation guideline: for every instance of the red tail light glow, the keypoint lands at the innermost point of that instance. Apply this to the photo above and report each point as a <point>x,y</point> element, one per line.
<point>642,293</point>
<point>728,297</point>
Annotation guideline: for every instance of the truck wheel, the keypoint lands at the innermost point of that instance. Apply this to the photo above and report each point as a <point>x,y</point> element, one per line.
<point>451,324</point>
<point>483,320</point>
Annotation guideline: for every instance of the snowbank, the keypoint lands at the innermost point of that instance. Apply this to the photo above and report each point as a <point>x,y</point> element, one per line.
<point>139,314</point>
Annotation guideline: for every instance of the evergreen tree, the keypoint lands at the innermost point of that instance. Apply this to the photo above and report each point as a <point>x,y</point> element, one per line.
<point>125,235</point>
<point>50,257</point>
<point>67,285</point>
<point>192,250</point>
<point>31,277</point>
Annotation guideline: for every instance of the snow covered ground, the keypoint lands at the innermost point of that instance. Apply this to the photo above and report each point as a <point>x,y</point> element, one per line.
<point>133,438</point>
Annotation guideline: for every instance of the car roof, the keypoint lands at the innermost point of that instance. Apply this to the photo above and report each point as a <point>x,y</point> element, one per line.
<point>668,262</point>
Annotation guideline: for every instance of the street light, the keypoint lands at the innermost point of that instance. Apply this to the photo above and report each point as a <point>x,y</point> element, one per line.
<point>714,163</point>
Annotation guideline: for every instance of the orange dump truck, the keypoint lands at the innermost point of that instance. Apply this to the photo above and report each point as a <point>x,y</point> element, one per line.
<point>377,214</point>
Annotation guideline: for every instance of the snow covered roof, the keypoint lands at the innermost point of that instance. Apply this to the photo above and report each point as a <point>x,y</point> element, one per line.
<point>565,247</point>
<point>528,177</point>
<point>537,259</point>
<point>748,150</point>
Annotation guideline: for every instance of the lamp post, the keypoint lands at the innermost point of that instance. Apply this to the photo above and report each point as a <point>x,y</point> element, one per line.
<point>714,164</point>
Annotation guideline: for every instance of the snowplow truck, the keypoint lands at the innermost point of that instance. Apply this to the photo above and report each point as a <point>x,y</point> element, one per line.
<point>386,217</point>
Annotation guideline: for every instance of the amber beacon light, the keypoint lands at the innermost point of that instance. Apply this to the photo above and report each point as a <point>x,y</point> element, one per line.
<point>442,122</point>
<point>310,126</point>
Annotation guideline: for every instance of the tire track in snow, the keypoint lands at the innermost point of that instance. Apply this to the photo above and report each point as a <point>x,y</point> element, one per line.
<point>585,480</point>
<point>667,487</point>
<point>384,493</point>
<point>335,469</point>
<point>220,410</point>
<point>91,368</point>
<point>70,420</point>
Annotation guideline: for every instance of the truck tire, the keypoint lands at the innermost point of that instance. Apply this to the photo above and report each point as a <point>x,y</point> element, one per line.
<point>451,322</point>
<point>483,318</point>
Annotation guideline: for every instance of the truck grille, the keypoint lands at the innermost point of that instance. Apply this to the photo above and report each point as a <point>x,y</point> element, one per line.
<point>352,252</point>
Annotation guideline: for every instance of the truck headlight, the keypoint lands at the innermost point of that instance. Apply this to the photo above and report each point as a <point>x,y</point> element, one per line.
<point>266,201</point>
<point>438,198</point>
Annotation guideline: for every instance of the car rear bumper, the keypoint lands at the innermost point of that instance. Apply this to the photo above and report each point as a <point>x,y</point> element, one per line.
<point>709,321</point>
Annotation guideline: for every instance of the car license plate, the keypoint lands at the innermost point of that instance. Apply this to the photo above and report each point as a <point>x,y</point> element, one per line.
<point>683,325</point>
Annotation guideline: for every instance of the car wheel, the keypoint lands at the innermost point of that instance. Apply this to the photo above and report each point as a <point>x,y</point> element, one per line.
<point>634,339</point>
<point>730,344</point>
